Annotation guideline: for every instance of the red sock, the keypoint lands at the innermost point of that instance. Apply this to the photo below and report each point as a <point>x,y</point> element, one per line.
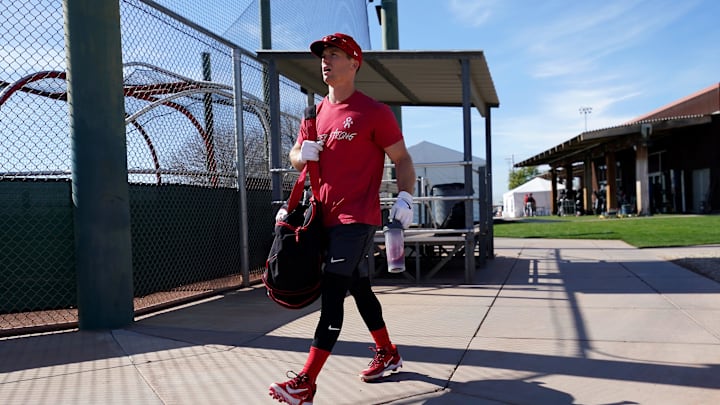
<point>381,337</point>
<point>315,361</point>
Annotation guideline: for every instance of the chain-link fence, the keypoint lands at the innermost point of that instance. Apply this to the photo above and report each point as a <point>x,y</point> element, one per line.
<point>182,151</point>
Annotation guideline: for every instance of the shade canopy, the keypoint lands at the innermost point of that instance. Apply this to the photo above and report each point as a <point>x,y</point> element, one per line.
<point>402,78</point>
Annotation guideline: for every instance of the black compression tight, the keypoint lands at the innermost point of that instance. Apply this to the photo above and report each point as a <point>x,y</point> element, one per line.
<point>334,290</point>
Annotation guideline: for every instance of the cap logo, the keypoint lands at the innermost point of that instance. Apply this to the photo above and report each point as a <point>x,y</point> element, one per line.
<point>333,38</point>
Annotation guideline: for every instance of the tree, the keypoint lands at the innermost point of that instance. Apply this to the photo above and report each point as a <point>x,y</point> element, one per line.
<point>521,176</point>
<point>189,162</point>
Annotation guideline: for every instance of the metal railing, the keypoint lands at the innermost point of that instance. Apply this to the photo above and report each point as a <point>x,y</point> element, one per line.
<point>451,212</point>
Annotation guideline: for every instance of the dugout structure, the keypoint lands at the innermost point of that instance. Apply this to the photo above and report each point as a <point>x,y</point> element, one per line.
<point>412,78</point>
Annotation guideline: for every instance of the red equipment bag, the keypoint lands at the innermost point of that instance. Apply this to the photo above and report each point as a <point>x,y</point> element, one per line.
<point>293,269</point>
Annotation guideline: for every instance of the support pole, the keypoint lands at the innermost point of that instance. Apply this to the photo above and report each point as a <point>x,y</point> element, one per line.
<point>241,174</point>
<point>611,189</point>
<point>265,27</point>
<point>391,38</point>
<point>209,115</point>
<point>554,196</point>
<point>587,185</point>
<point>467,157</point>
<point>99,174</point>
<point>273,86</point>
<point>266,43</point>
<point>485,217</point>
<point>642,186</point>
<point>489,181</point>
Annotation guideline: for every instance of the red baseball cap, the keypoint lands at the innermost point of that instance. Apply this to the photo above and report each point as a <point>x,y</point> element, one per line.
<point>342,41</point>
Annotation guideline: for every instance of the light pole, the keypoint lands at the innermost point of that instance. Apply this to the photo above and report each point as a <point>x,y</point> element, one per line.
<point>585,111</point>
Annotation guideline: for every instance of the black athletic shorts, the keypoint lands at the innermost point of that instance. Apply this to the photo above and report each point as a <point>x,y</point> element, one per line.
<point>348,248</point>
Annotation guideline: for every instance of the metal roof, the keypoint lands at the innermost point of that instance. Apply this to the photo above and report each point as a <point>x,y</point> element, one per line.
<point>573,149</point>
<point>695,109</point>
<point>399,77</point>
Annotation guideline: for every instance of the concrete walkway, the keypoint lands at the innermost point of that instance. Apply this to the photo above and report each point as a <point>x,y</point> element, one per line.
<point>548,322</point>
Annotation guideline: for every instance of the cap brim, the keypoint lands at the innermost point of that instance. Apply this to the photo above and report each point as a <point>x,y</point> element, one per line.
<point>318,47</point>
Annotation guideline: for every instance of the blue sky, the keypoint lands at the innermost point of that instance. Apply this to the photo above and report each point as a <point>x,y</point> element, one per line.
<point>622,58</point>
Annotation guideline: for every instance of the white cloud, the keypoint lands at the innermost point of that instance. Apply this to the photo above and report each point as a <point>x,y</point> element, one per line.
<point>472,12</point>
<point>577,41</point>
<point>561,67</point>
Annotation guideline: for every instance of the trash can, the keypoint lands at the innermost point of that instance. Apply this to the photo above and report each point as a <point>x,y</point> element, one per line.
<point>448,214</point>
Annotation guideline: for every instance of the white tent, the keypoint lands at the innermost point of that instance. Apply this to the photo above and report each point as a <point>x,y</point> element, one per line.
<point>541,190</point>
<point>428,152</point>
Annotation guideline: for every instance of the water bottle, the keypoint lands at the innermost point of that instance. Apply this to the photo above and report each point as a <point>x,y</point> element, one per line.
<point>395,246</point>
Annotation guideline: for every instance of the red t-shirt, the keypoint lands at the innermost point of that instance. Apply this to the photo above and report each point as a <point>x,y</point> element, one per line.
<point>355,134</point>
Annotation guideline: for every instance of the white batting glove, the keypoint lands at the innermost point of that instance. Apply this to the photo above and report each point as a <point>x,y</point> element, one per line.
<point>310,151</point>
<point>402,210</point>
<point>281,214</point>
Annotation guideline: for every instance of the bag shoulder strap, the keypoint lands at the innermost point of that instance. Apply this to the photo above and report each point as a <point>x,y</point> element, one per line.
<point>312,168</point>
<point>310,112</point>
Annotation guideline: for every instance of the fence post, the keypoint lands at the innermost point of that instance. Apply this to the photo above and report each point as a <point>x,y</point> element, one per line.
<point>99,174</point>
<point>241,173</point>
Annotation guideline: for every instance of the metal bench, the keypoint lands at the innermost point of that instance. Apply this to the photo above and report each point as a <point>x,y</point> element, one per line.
<point>450,243</point>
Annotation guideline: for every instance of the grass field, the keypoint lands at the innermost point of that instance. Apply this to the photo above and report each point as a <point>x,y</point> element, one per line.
<point>641,232</point>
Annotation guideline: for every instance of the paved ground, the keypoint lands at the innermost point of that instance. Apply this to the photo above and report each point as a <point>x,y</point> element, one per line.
<point>703,259</point>
<point>547,322</point>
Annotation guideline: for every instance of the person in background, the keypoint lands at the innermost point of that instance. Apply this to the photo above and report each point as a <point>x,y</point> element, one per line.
<point>530,205</point>
<point>354,133</point>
